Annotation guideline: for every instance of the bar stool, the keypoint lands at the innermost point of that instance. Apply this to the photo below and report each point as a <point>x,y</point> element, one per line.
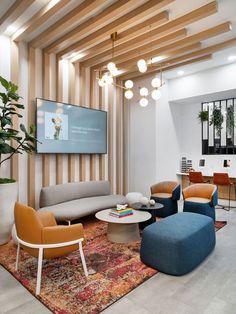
<point>196,177</point>
<point>223,179</point>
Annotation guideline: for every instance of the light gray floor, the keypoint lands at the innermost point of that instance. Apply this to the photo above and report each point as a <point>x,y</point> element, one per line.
<point>210,289</point>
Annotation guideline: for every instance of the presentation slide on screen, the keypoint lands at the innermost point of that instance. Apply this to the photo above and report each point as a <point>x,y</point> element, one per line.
<point>63,128</point>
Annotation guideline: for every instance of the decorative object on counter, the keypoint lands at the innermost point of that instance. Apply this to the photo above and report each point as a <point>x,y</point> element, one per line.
<point>189,165</point>
<point>217,120</point>
<point>184,164</point>
<point>144,201</point>
<point>226,163</point>
<point>203,115</point>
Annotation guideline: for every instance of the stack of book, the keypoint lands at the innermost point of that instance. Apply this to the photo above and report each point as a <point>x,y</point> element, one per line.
<point>121,213</point>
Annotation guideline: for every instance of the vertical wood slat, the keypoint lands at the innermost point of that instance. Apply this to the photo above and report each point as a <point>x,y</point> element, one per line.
<point>71,88</point>
<point>110,136</point>
<point>14,164</point>
<point>59,157</point>
<point>46,94</point>
<point>82,164</point>
<point>93,95</point>
<point>101,96</point>
<point>119,140</point>
<point>31,114</point>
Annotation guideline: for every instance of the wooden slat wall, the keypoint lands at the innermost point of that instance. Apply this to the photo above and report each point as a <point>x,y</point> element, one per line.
<point>47,169</point>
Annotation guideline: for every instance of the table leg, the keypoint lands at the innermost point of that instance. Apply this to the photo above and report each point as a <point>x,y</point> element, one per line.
<point>123,233</point>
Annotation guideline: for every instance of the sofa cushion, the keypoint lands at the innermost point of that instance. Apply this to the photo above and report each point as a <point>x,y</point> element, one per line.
<point>75,209</point>
<point>198,200</point>
<point>61,193</point>
<point>162,195</point>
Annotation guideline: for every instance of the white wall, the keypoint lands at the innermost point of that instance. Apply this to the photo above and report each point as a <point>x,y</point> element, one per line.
<point>160,134</point>
<point>5,71</point>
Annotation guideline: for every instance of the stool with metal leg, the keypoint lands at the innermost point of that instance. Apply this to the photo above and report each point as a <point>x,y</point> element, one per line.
<point>223,180</point>
<point>196,177</point>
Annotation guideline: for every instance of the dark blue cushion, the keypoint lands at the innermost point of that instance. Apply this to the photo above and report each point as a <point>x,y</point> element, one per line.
<point>200,208</point>
<point>177,244</point>
<point>170,206</point>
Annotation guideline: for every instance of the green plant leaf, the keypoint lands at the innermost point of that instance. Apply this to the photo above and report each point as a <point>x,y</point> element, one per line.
<point>4,83</point>
<point>22,127</point>
<point>6,149</point>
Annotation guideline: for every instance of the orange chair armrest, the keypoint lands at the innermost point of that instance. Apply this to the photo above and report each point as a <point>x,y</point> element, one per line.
<point>47,219</point>
<point>60,234</point>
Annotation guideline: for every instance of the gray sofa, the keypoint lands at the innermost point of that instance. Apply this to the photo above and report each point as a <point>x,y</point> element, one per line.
<point>71,201</point>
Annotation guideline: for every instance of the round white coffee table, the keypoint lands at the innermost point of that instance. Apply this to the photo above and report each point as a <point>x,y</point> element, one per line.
<point>123,230</point>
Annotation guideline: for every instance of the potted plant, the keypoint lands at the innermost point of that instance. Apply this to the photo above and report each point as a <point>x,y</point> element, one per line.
<point>230,121</point>
<point>203,115</point>
<point>217,120</point>
<point>12,141</point>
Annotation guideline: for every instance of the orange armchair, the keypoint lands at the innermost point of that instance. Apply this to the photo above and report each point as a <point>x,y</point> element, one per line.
<point>39,235</point>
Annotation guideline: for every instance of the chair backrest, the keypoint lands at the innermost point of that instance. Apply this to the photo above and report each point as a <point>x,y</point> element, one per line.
<point>195,177</point>
<point>28,224</point>
<point>221,178</point>
<point>164,187</point>
<point>203,190</point>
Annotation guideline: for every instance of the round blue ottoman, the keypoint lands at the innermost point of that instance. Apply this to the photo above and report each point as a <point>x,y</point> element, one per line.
<point>179,243</point>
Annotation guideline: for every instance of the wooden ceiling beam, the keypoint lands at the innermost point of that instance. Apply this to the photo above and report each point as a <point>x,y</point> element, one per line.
<point>174,63</point>
<point>150,51</point>
<point>126,21</point>
<point>163,30</point>
<point>38,19</point>
<point>125,36</point>
<point>18,7</point>
<point>66,22</point>
<point>110,13</point>
<point>136,46</point>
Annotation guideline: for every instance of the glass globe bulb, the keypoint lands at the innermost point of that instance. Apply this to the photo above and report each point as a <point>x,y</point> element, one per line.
<point>101,83</point>
<point>107,79</point>
<point>114,72</point>
<point>129,94</point>
<point>142,69</point>
<point>111,66</point>
<point>141,63</point>
<point>143,102</point>
<point>143,91</point>
<point>156,82</point>
<point>156,94</point>
<point>129,84</point>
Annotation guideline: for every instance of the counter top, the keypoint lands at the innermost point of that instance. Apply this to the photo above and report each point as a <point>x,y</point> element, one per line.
<point>208,174</point>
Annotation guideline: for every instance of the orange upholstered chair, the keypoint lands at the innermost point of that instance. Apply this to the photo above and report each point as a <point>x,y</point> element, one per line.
<point>196,177</point>
<point>39,235</point>
<point>222,178</point>
<point>200,198</point>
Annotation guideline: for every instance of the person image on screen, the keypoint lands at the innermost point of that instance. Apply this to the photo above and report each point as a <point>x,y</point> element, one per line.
<point>57,126</point>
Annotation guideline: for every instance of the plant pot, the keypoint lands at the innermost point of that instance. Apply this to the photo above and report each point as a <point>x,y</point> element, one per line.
<point>8,197</point>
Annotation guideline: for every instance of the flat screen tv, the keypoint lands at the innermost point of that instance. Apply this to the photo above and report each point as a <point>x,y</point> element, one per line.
<point>64,128</point>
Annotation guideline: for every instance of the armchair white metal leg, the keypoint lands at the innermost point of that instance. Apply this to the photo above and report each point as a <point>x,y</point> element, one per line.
<point>83,259</point>
<point>17,255</point>
<point>39,272</point>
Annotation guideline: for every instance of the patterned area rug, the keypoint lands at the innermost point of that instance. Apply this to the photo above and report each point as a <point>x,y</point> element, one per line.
<point>114,270</point>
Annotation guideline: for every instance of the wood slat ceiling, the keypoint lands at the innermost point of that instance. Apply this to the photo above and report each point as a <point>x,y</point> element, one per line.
<point>144,31</point>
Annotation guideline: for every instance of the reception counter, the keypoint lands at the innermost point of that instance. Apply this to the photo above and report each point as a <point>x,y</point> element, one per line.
<point>223,191</point>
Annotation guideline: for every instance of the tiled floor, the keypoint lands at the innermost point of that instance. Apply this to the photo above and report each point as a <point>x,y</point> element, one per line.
<point>210,289</point>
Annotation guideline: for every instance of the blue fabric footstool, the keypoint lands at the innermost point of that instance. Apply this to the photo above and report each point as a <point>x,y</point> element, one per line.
<point>179,243</point>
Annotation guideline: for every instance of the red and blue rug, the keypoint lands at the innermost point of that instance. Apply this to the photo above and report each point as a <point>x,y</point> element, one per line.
<point>114,270</point>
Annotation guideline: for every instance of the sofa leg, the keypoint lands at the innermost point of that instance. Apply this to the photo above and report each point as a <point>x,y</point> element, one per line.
<point>69,222</point>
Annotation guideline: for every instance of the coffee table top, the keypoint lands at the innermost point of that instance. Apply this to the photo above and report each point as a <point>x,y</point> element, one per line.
<point>138,216</point>
<point>140,206</point>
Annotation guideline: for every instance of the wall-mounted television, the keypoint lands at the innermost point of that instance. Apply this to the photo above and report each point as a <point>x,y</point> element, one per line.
<point>64,128</point>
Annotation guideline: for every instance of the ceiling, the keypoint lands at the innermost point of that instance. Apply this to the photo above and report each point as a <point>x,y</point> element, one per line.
<point>185,35</point>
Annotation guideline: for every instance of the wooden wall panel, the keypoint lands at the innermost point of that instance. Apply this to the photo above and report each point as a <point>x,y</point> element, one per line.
<point>14,164</point>
<point>59,95</point>
<point>101,95</point>
<point>110,135</point>
<point>31,116</point>
<point>46,95</point>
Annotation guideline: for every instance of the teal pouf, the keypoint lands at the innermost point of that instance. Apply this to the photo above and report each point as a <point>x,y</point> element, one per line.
<point>179,243</point>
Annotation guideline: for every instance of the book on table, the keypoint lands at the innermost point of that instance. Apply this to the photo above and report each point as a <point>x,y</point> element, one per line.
<point>121,213</point>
